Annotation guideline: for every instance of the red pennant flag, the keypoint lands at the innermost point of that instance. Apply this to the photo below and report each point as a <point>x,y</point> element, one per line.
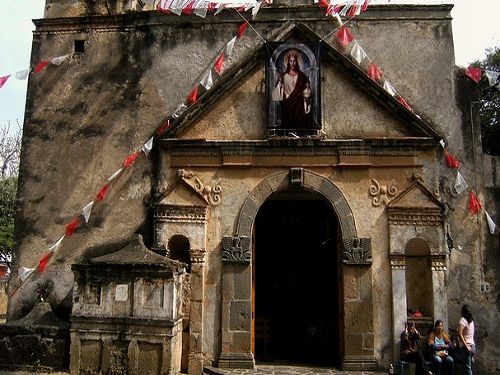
<point>102,193</point>
<point>403,102</point>
<point>452,161</point>
<point>323,3</point>
<point>193,96</point>
<point>130,159</point>
<point>212,7</point>
<point>474,73</point>
<point>474,205</point>
<point>219,63</point>
<point>352,11</point>
<point>374,72</point>
<point>344,36</point>
<point>163,128</point>
<point>188,9</point>
<point>70,228</point>
<point>41,66</point>
<point>3,80</point>
<point>242,29</point>
<point>364,7</point>
<point>43,262</point>
<point>163,10</point>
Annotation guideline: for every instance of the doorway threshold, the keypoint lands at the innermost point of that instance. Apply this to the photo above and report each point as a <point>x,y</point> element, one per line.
<point>284,369</point>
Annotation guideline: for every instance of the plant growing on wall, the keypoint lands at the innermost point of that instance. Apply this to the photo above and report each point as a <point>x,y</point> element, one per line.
<point>43,291</point>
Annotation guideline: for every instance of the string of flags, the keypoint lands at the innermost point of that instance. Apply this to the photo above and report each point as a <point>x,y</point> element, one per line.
<point>476,74</point>
<point>460,185</point>
<point>344,37</point>
<point>23,74</point>
<point>204,83</point>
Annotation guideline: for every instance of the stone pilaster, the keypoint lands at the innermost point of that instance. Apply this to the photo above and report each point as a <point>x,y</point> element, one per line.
<point>195,365</point>
<point>398,275</point>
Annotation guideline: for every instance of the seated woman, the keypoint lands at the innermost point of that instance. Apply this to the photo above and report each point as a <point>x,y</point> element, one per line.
<point>410,352</point>
<point>440,344</point>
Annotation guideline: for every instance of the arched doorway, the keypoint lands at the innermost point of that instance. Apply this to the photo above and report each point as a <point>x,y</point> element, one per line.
<point>296,280</point>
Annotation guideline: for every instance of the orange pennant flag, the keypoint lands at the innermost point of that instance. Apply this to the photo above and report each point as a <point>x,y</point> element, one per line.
<point>242,29</point>
<point>70,228</point>
<point>374,72</point>
<point>42,264</point>
<point>403,102</point>
<point>219,63</point>
<point>474,205</point>
<point>474,73</point>
<point>344,36</point>
<point>41,66</point>
<point>452,161</point>
<point>130,159</point>
<point>193,96</point>
<point>163,127</point>
<point>102,193</point>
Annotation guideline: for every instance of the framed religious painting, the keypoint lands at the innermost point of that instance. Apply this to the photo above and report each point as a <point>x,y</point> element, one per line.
<point>293,88</point>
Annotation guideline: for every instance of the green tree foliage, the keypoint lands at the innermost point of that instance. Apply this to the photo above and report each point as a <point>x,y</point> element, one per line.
<point>489,111</point>
<point>8,189</point>
<point>10,147</point>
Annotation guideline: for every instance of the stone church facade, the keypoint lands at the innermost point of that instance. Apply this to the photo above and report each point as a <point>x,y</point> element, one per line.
<point>310,247</point>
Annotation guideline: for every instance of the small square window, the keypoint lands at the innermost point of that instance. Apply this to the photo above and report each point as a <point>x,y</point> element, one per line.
<point>79,46</point>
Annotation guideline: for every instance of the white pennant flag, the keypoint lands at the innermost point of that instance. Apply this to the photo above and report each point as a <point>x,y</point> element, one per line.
<point>148,146</point>
<point>491,223</point>
<point>230,47</point>
<point>178,5</point>
<point>206,80</point>
<point>115,175</point>
<point>179,110</point>
<point>59,60</point>
<point>359,4</point>
<point>24,273</point>
<point>219,9</point>
<point>389,88</point>
<point>22,74</point>
<point>201,8</point>
<point>55,246</point>
<point>460,185</point>
<point>86,211</point>
<point>357,52</point>
<point>256,9</point>
<point>441,142</point>
<point>492,77</point>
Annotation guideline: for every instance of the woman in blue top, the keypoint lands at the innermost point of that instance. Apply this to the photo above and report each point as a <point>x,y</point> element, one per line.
<point>440,344</point>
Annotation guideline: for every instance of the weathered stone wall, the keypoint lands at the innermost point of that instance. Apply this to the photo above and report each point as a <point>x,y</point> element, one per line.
<point>85,116</point>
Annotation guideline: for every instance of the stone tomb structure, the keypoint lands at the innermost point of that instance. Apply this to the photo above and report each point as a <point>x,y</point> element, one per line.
<point>126,313</point>
<point>300,246</point>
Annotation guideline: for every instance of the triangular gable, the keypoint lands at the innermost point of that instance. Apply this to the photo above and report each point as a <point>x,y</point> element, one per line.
<point>253,59</point>
<point>416,195</point>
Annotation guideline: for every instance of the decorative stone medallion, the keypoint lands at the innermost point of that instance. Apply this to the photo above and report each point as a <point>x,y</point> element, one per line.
<point>381,193</point>
<point>236,249</point>
<point>358,251</point>
<point>211,194</point>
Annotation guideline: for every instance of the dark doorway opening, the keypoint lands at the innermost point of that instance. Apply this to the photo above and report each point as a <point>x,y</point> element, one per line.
<point>297,281</point>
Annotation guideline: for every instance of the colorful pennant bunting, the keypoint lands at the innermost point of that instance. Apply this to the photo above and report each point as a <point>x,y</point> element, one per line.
<point>474,73</point>
<point>71,227</point>
<point>491,224</point>
<point>374,72</point>
<point>474,205</point>
<point>344,36</point>
<point>452,161</point>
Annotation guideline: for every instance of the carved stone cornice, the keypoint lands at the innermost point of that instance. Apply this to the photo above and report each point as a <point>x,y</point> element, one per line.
<point>271,151</point>
<point>357,251</point>
<point>236,249</point>
<point>197,255</point>
<point>398,261</point>
<point>438,262</point>
<point>211,194</point>
<point>381,193</point>
<point>183,214</point>
<point>415,216</point>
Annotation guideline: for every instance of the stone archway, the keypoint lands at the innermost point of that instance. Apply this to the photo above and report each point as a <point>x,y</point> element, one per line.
<point>296,177</point>
<point>237,272</point>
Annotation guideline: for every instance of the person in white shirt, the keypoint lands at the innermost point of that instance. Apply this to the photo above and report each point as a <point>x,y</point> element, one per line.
<point>466,339</point>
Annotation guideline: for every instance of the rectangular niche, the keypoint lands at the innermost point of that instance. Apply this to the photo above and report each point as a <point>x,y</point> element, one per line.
<point>153,293</point>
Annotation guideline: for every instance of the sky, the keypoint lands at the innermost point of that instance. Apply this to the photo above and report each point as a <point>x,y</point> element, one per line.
<point>475,28</point>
